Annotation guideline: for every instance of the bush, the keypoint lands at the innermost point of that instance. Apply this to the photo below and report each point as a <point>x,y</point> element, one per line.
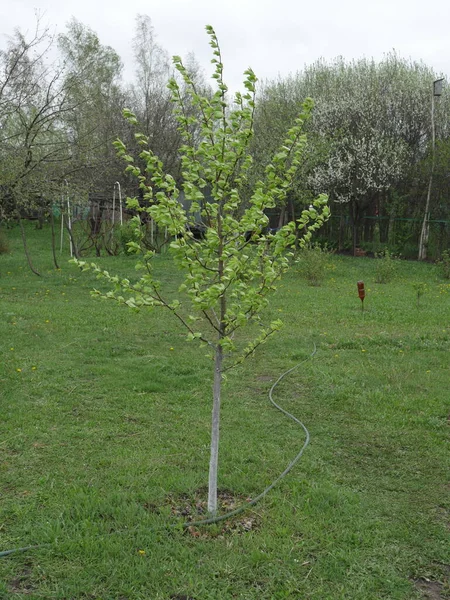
<point>444,264</point>
<point>4,246</point>
<point>126,235</point>
<point>313,263</point>
<point>385,268</point>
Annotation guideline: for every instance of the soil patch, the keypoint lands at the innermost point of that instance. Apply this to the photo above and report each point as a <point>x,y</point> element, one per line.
<point>22,583</point>
<point>432,590</point>
<point>193,508</point>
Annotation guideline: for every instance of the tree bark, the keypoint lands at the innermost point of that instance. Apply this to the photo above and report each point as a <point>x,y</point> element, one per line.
<point>215,432</point>
<point>425,232</point>
<point>391,227</point>
<point>217,386</point>
<point>72,239</point>
<point>25,247</point>
<point>52,222</point>
<point>282,218</point>
<point>354,220</point>
<point>341,232</point>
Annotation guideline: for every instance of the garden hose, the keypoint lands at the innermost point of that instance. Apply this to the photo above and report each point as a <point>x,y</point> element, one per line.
<point>252,502</point>
<point>14,550</point>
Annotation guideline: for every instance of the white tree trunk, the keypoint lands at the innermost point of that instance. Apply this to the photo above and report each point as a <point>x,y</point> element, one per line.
<point>424,234</point>
<point>215,430</point>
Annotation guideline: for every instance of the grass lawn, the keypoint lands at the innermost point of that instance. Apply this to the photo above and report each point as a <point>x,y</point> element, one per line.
<point>104,440</point>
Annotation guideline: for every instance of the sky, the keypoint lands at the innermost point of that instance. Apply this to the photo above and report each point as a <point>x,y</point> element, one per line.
<point>274,37</point>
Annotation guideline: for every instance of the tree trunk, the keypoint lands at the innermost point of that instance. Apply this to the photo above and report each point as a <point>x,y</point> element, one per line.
<point>25,247</point>
<point>384,230</point>
<point>52,222</point>
<point>354,219</point>
<point>215,431</point>
<point>73,244</point>
<point>341,232</point>
<point>425,232</point>
<point>282,218</point>
<point>40,219</point>
<point>391,227</point>
<point>369,226</point>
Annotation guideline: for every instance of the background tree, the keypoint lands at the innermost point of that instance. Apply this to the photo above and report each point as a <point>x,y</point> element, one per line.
<point>150,98</point>
<point>231,271</point>
<point>34,148</point>
<point>93,78</point>
<point>93,81</point>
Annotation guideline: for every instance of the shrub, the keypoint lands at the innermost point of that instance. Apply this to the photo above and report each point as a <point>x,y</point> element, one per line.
<point>126,235</point>
<point>313,262</point>
<point>385,268</point>
<point>157,241</point>
<point>444,264</point>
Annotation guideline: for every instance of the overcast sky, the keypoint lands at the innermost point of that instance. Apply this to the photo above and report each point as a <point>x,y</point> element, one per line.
<point>272,36</point>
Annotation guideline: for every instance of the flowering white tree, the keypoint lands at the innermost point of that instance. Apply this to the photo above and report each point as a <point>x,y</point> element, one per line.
<point>357,170</point>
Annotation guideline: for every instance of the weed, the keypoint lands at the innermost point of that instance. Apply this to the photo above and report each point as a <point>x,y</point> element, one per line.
<point>420,288</point>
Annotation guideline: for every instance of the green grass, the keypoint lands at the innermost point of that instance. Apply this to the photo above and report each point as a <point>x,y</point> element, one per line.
<point>106,427</point>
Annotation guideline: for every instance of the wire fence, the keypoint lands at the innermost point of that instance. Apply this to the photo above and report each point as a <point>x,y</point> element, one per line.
<point>400,235</point>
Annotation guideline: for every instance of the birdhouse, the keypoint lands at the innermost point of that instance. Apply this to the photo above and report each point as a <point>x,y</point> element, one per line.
<point>437,87</point>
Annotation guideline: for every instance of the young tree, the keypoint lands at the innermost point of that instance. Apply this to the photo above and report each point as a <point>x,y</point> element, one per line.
<point>231,271</point>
